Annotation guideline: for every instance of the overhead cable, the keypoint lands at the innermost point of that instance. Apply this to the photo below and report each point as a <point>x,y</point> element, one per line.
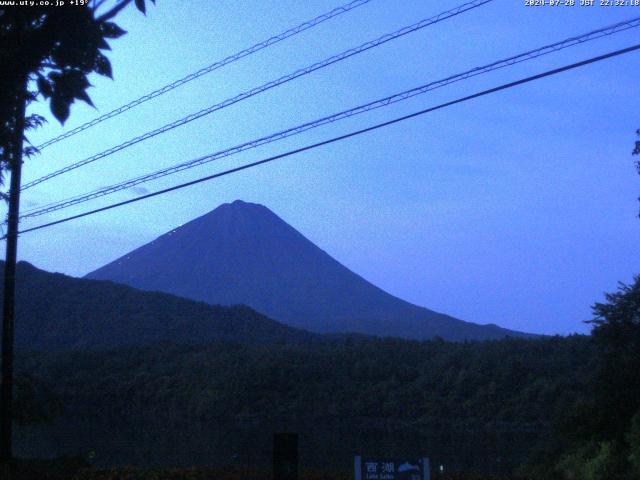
<point>267,86</point>
<point>529,55</point>
<point>208,69</point>
<point>505,86</point>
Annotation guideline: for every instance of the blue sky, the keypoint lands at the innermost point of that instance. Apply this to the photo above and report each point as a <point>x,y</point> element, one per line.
<point>519,208</point>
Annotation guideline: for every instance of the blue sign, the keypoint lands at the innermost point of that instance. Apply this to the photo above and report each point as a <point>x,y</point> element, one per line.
<point>391,469</point>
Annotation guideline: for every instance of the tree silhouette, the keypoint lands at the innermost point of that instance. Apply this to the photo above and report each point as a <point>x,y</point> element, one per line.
<point>617,334</point>
<point>48,51</point>
<point>55,49</point>
<point>636,151</point>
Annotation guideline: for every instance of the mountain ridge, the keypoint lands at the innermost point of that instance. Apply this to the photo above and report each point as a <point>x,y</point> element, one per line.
<point>55,312</point>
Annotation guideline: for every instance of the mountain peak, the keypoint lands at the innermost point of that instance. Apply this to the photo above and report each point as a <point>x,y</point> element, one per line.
<point>230,223</point>
<point>240,205</point>
<point>232,210</point>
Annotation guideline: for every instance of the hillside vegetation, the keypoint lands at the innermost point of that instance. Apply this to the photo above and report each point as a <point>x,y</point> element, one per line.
<point>56,312</point>
<point>479,406</point>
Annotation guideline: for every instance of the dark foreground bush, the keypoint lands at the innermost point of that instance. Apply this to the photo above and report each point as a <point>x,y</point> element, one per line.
<point>236,473</point>
<point>78,469</point>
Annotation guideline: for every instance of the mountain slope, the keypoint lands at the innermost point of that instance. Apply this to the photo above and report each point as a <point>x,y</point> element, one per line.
<point>244,253</point>
<point>57,312</point>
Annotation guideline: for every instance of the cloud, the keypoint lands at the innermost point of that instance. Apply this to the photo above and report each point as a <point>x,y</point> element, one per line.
<point>140,190</point>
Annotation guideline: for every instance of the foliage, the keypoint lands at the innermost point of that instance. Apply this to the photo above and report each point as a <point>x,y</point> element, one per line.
<point>636,151</point>
<point>433,382</point>
<point>617,383</point>
<point>633,438</point>
<point>599,437</point>
<point>50,51</point>
<point>35,401</point>
<point>344,396</point>
<point>58,48</point>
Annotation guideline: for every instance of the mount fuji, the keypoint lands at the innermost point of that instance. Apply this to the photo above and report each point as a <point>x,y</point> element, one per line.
<point>243,253</point>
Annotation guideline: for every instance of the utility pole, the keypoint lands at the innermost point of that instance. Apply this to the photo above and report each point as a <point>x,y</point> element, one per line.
<point>8,308</point>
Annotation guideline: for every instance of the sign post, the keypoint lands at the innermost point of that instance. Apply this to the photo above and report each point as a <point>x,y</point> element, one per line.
<point>391,469</point>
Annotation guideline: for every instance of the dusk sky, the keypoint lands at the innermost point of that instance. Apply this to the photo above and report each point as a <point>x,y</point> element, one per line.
<point>519,208</point>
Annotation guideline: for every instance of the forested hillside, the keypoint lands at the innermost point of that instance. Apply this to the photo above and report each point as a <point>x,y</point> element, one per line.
<point>57,312</point>
<point>479,406</point>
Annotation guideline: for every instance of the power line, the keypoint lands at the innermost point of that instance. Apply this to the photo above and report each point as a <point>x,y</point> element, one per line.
<point>505,86</point>
<point>529,55</point>
<point>210,68</point>
<point>267,86</point>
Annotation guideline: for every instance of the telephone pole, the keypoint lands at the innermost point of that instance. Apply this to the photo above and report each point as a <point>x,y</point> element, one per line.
<point>14,161</point>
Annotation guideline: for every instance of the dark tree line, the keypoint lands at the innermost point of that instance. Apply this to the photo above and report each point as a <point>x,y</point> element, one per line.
<point>472,406</point>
